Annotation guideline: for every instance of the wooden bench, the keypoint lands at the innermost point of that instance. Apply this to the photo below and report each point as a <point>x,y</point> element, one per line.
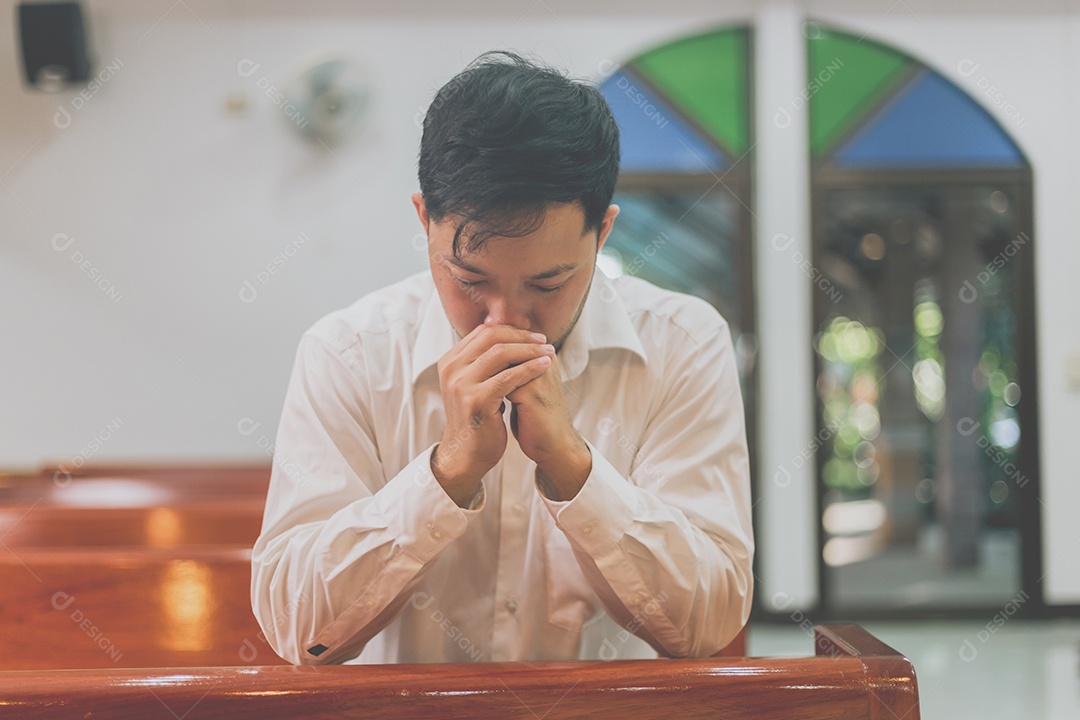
<point>852,675</point>
<point>88,585</point>
<point>144,485</point>
<point>128,607</point>
<point>233,473</point>
<point>135,607</point>
<point>221,521</point>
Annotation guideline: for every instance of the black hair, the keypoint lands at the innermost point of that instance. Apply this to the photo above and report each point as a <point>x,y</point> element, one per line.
<point>505,137</point>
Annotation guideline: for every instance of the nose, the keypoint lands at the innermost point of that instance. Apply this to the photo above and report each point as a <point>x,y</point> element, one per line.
<point>504,311</point>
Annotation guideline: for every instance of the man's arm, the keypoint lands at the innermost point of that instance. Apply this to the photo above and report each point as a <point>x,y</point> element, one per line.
<point>669,550</point>
<point>341,544</point>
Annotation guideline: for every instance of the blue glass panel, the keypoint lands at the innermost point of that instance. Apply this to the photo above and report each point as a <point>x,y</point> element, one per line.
<point>653,137</point>
<point>930,123</point>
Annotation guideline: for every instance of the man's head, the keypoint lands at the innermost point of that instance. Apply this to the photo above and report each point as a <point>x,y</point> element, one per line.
<point>517,169</point>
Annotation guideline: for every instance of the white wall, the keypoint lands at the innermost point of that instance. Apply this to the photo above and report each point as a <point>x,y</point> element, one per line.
<point>177,203</point>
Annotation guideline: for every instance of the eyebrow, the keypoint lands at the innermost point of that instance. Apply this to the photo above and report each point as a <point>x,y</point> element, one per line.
<point>557,270</point>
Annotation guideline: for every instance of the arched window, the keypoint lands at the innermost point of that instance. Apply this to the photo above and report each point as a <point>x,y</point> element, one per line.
<point>922,230</point>
<point>923,309</point>
<point>684,187</point>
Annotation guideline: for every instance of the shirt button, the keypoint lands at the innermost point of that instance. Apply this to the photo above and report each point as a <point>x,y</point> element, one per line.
<point>436,533</point>
<point>511,605</point>
<point>587,529</point>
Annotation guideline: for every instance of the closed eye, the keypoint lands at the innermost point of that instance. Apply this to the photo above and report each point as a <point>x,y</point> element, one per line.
<point>550,289</point>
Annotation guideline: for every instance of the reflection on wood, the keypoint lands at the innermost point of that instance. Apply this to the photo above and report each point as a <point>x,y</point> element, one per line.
<point>221,521</point>
<point>127,486</point>
<point>128,607</point>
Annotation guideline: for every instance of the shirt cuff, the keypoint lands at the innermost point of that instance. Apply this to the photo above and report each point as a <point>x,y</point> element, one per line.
<point>425,517</point>
<point>601,513</point>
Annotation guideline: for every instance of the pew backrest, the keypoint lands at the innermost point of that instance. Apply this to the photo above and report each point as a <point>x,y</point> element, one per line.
<point>109,486</point>
<point>221,521</point>
<point>128,607</point>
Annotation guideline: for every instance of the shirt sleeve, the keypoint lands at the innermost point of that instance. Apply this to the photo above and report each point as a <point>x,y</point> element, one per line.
<point>341,544</point>
<point>669,550</point>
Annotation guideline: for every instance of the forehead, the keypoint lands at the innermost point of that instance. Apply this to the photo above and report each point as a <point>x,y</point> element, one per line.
<point>557,220</point>
<point>559,239</point>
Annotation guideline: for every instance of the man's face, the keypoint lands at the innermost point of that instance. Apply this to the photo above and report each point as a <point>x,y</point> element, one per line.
<point>536,282</point>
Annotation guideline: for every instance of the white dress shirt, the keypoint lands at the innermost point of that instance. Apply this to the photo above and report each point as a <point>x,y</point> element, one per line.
<point>364,558</point>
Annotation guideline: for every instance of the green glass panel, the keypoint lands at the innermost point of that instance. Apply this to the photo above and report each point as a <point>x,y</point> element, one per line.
<point>847,78</point>
<point>705,78</point>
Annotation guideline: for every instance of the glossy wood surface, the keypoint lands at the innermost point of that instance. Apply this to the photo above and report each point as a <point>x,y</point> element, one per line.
<point>890,677</point>
<point>135,607</point>
<point>55,528</point>
<point>231,471</point>
<point>134,486</point>
<point>130,607</point>
<point>834,685</point>
<point>220,521</point>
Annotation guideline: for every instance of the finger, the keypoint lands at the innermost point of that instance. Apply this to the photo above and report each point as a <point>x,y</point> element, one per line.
<point>489,336</point>
<point>502,356</point>
<point>469,337</point>
<point>511,379</point>
<point>460,355</point>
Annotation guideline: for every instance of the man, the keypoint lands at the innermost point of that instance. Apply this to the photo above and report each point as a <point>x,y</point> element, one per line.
<point>510,457</point>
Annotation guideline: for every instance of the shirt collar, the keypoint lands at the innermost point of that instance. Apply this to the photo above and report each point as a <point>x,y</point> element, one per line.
<point>603,324</point>
<point>435,335</point>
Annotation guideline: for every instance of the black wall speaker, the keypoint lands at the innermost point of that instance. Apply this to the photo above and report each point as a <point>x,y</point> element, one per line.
<point>53,44</point>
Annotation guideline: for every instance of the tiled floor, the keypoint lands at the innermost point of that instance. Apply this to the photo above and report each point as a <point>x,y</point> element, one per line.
<point>1026,670</point>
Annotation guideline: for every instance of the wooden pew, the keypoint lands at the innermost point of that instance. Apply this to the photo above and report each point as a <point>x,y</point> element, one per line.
<point>143,485</point>
<point>852,675</point>
<point>128,607</point>
<point>233,473</point>
<point>90,586</point>
<point>223,521</point>
<point>135,607</point>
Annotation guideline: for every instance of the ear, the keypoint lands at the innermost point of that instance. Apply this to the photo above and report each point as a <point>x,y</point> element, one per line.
<point>421,209</point>
<point>606,225</point>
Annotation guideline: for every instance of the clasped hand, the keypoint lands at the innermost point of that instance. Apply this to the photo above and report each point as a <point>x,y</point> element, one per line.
<point>491,365</point>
